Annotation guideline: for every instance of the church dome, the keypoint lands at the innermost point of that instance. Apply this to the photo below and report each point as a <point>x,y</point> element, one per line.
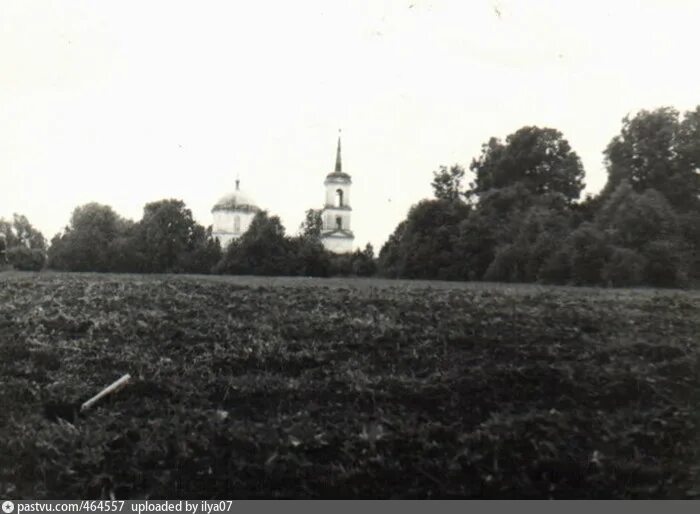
<point>236,201</point>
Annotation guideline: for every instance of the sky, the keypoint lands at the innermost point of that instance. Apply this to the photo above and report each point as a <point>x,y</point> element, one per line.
<point>131,101</point>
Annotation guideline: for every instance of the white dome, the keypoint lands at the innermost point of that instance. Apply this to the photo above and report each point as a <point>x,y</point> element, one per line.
<point>236,201</point>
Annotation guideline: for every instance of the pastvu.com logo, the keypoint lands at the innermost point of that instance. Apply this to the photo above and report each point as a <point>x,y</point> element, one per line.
<point>8,506</point>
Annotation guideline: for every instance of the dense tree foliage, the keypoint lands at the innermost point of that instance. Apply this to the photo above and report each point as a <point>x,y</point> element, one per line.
<point>539,158</point>
<point>262,250</point>
<point>424,245</point>
<point>165,240</point>
<point>26,259</point>
<point>526,222</point>
<point>522,248</point>
<point>86,244</point>
<point>171,241</point>
<point>657,153</point>
<point>658,150</point>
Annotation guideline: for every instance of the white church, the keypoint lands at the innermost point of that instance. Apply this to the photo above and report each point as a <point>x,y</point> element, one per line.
<point>234,212</point>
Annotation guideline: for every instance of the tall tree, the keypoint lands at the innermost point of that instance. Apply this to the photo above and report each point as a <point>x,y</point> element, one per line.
<point>539,158</point>
<point>424,245</point>
<point>85,243</point>
<point>166,231</point>
<point>656,150</point>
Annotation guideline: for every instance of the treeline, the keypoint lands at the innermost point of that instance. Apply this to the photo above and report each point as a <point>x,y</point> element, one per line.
<point>521,219</point>
<point>167,239</point>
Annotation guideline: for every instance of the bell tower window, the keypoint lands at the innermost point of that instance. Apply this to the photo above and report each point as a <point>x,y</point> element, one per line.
<point>339,198</point>
<point>237,224</point>
<point>338,222</point>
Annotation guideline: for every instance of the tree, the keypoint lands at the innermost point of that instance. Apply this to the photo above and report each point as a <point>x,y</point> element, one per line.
<point>424,247</point>
<point>532,234</point>
<point>166,239</point>
<point>26,259</point>
<point>588,252</point>
<point>391,258</point>
<point>539,158</point>
<point>262,250</point>
<point>125,250</point>
<point>308,257</point>
<point>363,263</point>
<point>624,268</point>
<point>26,234</point>
<point>22,245</point>
<point>20,232</point>
<point>86,244</point>
<point>475,245</point>
<point>447,183</point>
<point>632,219</point>
<point>665,265</point>
<point>166,234</point>
<point>656,150</point>
<point>312,225</point>
<point>202,254</point>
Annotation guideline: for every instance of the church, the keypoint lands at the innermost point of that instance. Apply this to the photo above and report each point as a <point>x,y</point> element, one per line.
<point>234,212</point>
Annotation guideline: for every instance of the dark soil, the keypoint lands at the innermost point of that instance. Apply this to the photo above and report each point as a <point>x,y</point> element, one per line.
<point>327,389</point>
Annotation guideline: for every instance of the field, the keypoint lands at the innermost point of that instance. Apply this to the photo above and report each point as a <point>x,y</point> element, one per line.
<point>304,388</point>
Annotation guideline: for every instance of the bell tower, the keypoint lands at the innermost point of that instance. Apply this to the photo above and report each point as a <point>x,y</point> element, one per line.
<point>336,234</point>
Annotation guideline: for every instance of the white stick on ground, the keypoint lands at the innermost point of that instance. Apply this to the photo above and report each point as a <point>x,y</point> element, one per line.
<point>114,386</point>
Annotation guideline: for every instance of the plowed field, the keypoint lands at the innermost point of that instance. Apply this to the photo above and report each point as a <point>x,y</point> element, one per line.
<point>296,388</point>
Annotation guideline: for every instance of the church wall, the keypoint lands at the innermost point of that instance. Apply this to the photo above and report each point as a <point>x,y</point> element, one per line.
<point>329,219</point>
<point>224,227</point>
<point>338,244</point>
<point>224,239</point>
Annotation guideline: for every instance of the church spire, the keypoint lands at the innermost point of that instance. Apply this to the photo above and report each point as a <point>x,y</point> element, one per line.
<point>338,161</point>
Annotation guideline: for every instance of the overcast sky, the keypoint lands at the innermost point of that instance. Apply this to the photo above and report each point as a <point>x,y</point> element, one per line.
<point>125,102</point>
